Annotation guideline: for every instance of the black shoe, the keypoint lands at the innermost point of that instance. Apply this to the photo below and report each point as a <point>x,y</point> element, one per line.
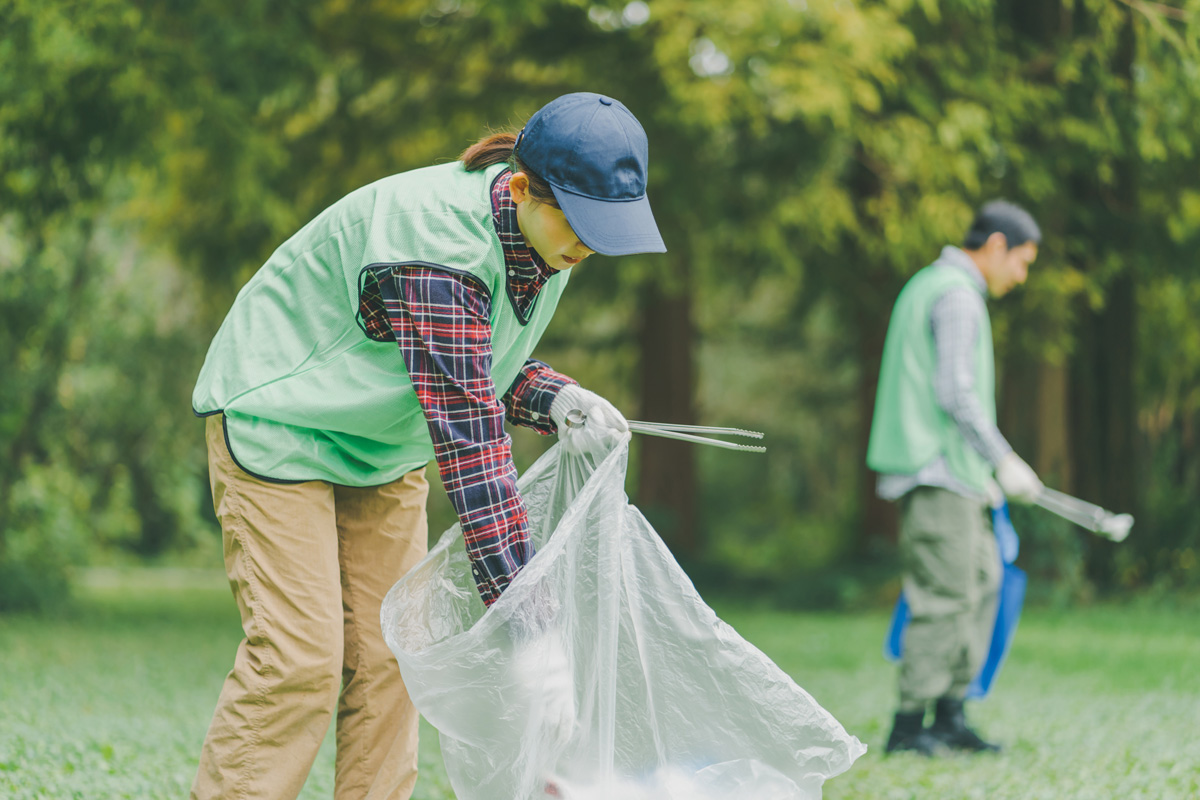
<point>909,734</point>
<point>950,728</point>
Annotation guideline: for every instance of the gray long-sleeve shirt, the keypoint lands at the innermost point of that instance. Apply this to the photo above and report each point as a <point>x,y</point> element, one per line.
<point>955,320</point>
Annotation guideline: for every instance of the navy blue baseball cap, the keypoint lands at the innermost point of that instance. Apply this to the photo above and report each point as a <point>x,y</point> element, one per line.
<point>593,153</point>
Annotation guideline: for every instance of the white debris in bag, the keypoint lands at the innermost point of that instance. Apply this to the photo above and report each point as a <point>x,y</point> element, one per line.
<point>731,781</point>
<point>662,699</point>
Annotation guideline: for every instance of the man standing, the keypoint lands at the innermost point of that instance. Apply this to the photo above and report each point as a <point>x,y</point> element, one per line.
<point>935,443</point>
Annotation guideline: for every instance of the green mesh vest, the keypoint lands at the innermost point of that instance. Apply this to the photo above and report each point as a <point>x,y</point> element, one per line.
<point>306,394</point>
<point>910,429</point>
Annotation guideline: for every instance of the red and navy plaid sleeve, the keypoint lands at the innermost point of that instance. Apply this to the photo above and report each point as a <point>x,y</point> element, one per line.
<point>528,400</point>
<point>440,321</point>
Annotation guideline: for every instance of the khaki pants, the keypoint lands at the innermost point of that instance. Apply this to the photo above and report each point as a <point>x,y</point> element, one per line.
<point>952,578</point>
<point>309,564</point>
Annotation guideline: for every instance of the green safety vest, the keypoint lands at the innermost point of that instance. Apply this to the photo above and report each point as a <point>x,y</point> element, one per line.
<point>910,429</point>
<point>306,393</point>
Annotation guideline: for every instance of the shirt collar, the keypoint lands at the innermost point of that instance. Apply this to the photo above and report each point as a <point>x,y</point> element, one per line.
<point>521,260</point>
<point>956,257</point>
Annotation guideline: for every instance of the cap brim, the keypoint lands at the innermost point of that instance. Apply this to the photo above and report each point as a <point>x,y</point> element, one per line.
<point>612,227</point>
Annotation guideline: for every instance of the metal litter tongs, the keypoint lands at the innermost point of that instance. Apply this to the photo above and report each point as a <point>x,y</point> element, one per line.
<point>686,433</point>
<point>1086,515</point>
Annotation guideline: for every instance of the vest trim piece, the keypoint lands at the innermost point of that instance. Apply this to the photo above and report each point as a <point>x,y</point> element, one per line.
<point>375,268</point>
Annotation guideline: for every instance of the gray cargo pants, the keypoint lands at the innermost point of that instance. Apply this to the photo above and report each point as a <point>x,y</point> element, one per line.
<point>952,578</point>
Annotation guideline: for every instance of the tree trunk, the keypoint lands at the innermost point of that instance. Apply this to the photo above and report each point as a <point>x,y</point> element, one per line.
<point>879,519</point>
<point>874,288</point>
<point>1103,392</point>
<point>667,468</point>
<point>1033,415</point>
<point>1052,457</point>
<point>1104,416</point>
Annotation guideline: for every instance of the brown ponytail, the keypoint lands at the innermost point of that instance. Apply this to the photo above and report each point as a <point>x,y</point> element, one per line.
<point>493,149</point>
<point>497,148</point>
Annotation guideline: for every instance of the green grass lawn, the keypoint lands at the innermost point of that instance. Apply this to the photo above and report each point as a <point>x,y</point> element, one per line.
<point>112,700</point>
<point>1092,704</point>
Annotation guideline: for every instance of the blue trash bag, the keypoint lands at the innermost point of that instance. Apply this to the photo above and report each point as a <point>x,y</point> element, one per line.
<point>1008,613</point>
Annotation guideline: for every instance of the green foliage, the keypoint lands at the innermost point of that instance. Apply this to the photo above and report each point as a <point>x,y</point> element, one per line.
<point>1167,547</point>
<point>78,93</point>
<point>92,329</point>
<point>96,418</point>
<point>808,156</point>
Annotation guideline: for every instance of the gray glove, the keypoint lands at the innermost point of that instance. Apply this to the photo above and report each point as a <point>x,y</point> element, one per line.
<point>1017,479</point>
<point>602,415</point>
<point>995,495</point>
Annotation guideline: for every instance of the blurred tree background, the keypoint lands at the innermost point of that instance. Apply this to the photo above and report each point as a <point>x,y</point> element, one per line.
<point>807,157</point>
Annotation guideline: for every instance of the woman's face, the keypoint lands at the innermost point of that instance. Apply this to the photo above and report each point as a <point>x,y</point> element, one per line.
<point>545,227</point>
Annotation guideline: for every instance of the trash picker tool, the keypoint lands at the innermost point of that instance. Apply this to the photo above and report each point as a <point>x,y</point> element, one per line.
<point>686,433</point>
<point>1114,527</point>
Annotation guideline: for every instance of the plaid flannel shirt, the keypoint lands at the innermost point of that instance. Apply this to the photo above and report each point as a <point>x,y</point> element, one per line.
<point>441,322</point>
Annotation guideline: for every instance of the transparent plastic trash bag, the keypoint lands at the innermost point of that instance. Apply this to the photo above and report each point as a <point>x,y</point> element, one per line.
<point>670,703</point>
